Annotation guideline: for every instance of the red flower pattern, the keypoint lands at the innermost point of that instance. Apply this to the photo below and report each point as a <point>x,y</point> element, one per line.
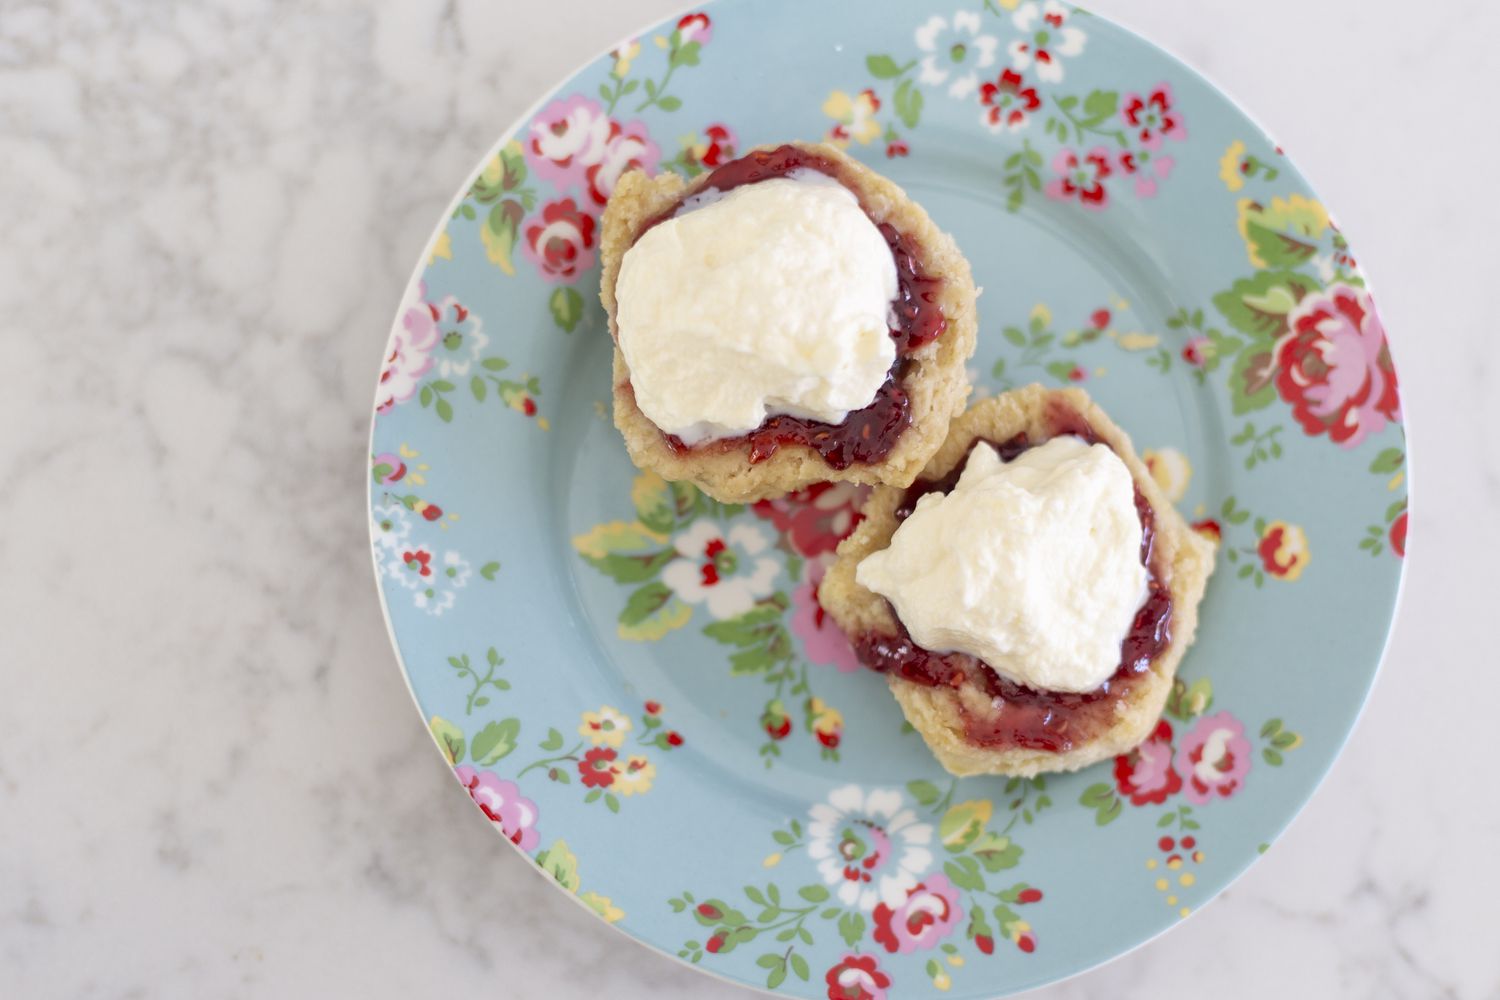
<point>1081,177</point>
<point>720,145</point>
<point>562,240</point>
<point>597,769</point>
<point>1283,550</point>
<point>1146,169</point>
<point>695,28</point>
<point>627,148</point>
<point>1334,367</point>
<point>857,977</point>
<point>929,913</point>
<point>1151,117</point>
<point>1145,775</point>
<point>1008,102</point>
<point>815,519</point>
<point>1195,351</point>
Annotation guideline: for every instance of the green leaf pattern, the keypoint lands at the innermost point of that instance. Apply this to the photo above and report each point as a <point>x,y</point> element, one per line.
<point>783,917</point>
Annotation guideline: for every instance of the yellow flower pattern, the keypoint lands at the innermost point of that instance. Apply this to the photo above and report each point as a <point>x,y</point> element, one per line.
<point>623,56</point>
<point>1136,340</point>
<point>1170,469</point>
<point>826,722</point>
<point>604,728</point>
<point>603,906</point>
<point>635,776</point>
<point>855,116</point>
<point>1231,170</point>
<point>1283,550</point>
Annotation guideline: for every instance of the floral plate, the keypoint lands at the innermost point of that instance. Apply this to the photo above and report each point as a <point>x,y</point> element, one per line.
<point>637,686</point>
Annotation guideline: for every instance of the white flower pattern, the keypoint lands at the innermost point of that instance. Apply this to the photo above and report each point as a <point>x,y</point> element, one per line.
<point>460,338</point>
<point>727,571</point>
<point>1048,38</point>
<point>433,578</point>
<point>954,48</point>
<point>404,564</point>
<point>438,595</point>
<point>869,845</point>
<point>390,528</point>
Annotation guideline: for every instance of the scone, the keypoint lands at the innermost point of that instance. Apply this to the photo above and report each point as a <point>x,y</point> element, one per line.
<point>1037,712</point>
<point>789,318</point>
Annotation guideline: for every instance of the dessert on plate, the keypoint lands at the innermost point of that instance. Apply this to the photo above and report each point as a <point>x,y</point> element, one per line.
<point>789,318</point>
<point>1030,596</point>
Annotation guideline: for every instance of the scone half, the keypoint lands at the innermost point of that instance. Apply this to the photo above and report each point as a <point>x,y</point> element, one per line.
<point>949,715</point>
<point>932,375</point>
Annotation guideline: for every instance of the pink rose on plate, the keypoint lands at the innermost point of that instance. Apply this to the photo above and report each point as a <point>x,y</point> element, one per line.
<point>816,519</point>
<point>560,240</point>
<point>857,977</point>
<point>387,468</point>
<point>822,640</point>
<point>503,803</point>
<point>1195,351</point>
<point>567,137</point>
<point>1334,367</point>
<point>695,28</point>
<point>410,357</point>
<point>629,146</point>
<point>1213,758</point>
<point>929,913</point>
<point>1145,775</point>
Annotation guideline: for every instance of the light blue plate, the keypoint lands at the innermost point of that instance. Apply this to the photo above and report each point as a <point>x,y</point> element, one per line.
<point>704,765</point>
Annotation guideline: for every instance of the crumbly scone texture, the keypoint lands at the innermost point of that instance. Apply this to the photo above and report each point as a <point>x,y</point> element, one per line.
<point>1184,557</point>
<point>936,381</point>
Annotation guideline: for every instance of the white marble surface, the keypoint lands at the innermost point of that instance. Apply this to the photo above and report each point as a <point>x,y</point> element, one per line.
<point>212,783</point>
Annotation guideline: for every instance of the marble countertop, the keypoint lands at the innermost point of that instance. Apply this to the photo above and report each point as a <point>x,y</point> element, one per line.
<point>212,783</point>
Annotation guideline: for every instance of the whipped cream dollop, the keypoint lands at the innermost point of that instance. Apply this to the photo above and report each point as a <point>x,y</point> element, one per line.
<point>1033,565</point>
<point>770,298</point>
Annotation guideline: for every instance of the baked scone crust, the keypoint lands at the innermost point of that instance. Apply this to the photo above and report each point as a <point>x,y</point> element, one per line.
<point>937,383</point>
<point>1184,558</point>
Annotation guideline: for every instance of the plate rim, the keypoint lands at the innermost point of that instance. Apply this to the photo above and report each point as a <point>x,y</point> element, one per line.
<point>1238,870</point>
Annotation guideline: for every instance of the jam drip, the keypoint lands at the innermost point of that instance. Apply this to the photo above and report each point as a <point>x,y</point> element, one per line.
<point>919,321</point>
<point>1053,721</point>
<point>865,436</point>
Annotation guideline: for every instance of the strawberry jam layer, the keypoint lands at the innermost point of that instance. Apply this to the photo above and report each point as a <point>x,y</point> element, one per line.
<point>1020,716</point>
<point>865,436</point>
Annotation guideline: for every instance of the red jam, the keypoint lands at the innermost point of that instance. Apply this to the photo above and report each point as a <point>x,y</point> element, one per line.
<point>865,436</point>
<point>1054,721</point>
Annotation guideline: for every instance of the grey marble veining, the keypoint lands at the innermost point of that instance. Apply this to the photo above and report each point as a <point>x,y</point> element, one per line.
<point>211,779</point>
